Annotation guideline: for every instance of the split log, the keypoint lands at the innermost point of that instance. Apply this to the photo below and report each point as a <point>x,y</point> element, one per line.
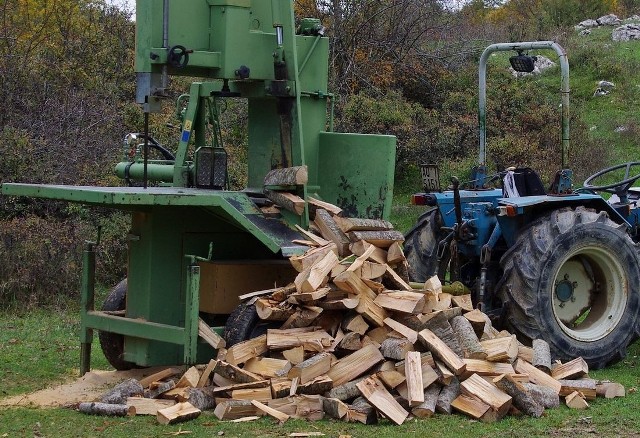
<point>280,387</point>
<point>501,349</point>
<point>315,204</point>
<point>573,369</point>
<point>350,342</point>
<point>177,413</point>
<point>262,394</point>
<point>307,337</point>
<point>107,409</point>
<point>159,390</point>
<point>330,231</point>
<point>267,367</point>
<point>445,376</point>
<point>396,348</point>
<point>348,224</point>
<point>372,270</point>
<point>442,351</point>
<point>379,334</point>
<point>294,355</point>
<point>354,365</point>
<point>374,391</point>
<point>478,321</point>
<point>309,407</point>
<point>160,375</point>
<point>234,373</point>
<point>525,353</point>
<point>391,378</point>
<point>271,310</point>
<point>463,301</point>
<point>544,395</point>
<point>405,331</point>
<point>234,409</point>
<point>478,387</point>
<point>286,200</point>
<point>210,336</point>
<point>541,355</point>
<point>433,286</point>
<point>302,317</point>
<point>350,282</point>
<point>312,278</point>
<point>447,394</point>
<point>440,326</point>
<point>345,391</point>
<point>355,323</point>
<point>378,255</point>
<point>305,261</point>
<point>537,376</point>
<point>311,368</point>
<point>200,398</point>
<point>280,416</point>
<point>395,254</point>
<point>308,298</point>
<point>467,338</point>
<point>401,301</point>
<point>329,321</point>
<point>522,398</point>
<point>361,411</point>
<point>471,406</point>
<point>348,303</point>
<point>427,408</point>
<point>587,387</point>
<point>334,408</point>
<point>413,374</point>
<point>288,176</point>
<point>204,377</point>
<point>146,406</point>
<point>486,368</point>
<point>576,401</point>
<point>381,239</point>
<point>118,394</point>
<point>316,386</point>
<point>429,375</point>
<point>609,389</point>
<point>245,350</point>
<point>189,379</point>
<point>392,279</point>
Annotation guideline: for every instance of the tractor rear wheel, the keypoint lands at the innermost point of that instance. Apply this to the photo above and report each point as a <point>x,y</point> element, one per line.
<point>112,344</point>
<point>421,247</point>
<point>572,278</point>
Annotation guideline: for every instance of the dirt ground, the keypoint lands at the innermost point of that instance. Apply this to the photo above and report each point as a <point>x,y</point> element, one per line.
<point>87,388</point>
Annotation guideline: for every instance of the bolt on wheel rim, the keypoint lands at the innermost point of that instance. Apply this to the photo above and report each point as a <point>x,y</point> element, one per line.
<point>589,293</point>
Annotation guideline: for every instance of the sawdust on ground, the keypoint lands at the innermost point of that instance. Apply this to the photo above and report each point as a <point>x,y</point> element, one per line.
<point>87,388</point>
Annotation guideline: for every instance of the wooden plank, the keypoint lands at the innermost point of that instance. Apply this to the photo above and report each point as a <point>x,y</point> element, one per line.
<point>330,231</point>
<point>374,391</point>
<point>442,351</point>
<point>354,365</point>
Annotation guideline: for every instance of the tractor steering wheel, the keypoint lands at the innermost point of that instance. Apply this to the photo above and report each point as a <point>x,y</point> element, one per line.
<point>619,188</point>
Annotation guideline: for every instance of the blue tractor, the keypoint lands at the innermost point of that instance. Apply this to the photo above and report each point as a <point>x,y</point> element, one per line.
<point>548,263</point>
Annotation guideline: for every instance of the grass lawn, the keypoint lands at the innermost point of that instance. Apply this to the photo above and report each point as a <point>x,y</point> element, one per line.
<point>40,348</point>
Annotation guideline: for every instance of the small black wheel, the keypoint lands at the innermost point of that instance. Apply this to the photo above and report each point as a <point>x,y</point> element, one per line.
<point>112,344</point>
<point>178,57</point>
<point>573,279</point>
<point>421,247</point>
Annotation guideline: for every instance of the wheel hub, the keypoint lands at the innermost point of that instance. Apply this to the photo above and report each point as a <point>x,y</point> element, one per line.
<point>564,289</point>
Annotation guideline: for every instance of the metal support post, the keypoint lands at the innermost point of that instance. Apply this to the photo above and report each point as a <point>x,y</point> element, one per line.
<point>192,306</point>
<point>87,304</point>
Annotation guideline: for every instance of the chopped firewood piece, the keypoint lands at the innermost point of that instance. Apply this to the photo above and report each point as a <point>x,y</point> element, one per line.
<point>361,411</point>
<point>271,310</point>
<point>391,378</point>
<point>470,405</point>
<point>443,302</point>
<point>252,394</point>
<point>374,391</point>
<point>107,409</point>
<point>177,413</point>
<point>405,331</point>
<point>448,393</point>
<point>210,336</point>
<point>308,407</point>
<point>379,334</point>
<point>286,200</point>
<point>310,339</point>
<point>204,377</point>
<point>525,353</point>
<point>372,270</point>
<point>159,390</point>
<point>401,301</point>
<point>486,368</point>
<point>442,351</point>
<point>609,389</point>
<point>309,297</point>
<point>445,376</point>
<point>280,387</point>
<point>537,376</point>
<point>305,261</point>
<point>501,349</point>
<point>381,239</point>
<point>427,408</point>
<point>429,375</point>
<point>147,406</point>
<point>440,326</point>
<point>312,278</point>
<point>294,355</point>
<point>118,394</point>
<point>316,386</point>
<point>245,350</point>
<point>433,285</point>
<point>287,176</point>
<point>351,302</point>
<point>354,365</point>
<point>586,387</point>
<point>334,408</point>
<point>234,373</point>
<point>544,395</point>
<point>234,409</point>
<point>467,338</point>
<point>348,224</point>
<point>391,277</point>
<point>522,398</point>
<point>315,204</point>
<point>303,317</point>
<point>160,375</point>
<point>189,379</point>
<point>378,255</point>
<point>267,367</point>
<point>200,398</point>
<point>478,387</point>
<point>330,231</point>
<point>236,386</point>
<point>346,391</point>
<point>573,369</point>
<point>576,401</point>
<point>319,241</point>
<point>541,355</point>
<point>413,374</point>
<point>478,321</point>
<point>311,368</point>
<point>355,323</point>
<point>463,301</point>
<point>281,417</point>
<point>350,282</point>
<point>350,342</point>
<point>396,348</point>
<point>395,254</point>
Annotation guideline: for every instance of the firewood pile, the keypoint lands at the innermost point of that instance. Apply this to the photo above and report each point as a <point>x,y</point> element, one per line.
<point>351,339</point>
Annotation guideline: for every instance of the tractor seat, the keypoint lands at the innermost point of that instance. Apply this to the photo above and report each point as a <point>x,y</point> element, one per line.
<point>525,181</point>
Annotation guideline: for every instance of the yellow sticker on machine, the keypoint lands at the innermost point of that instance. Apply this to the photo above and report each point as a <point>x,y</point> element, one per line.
<point>187,125</point>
